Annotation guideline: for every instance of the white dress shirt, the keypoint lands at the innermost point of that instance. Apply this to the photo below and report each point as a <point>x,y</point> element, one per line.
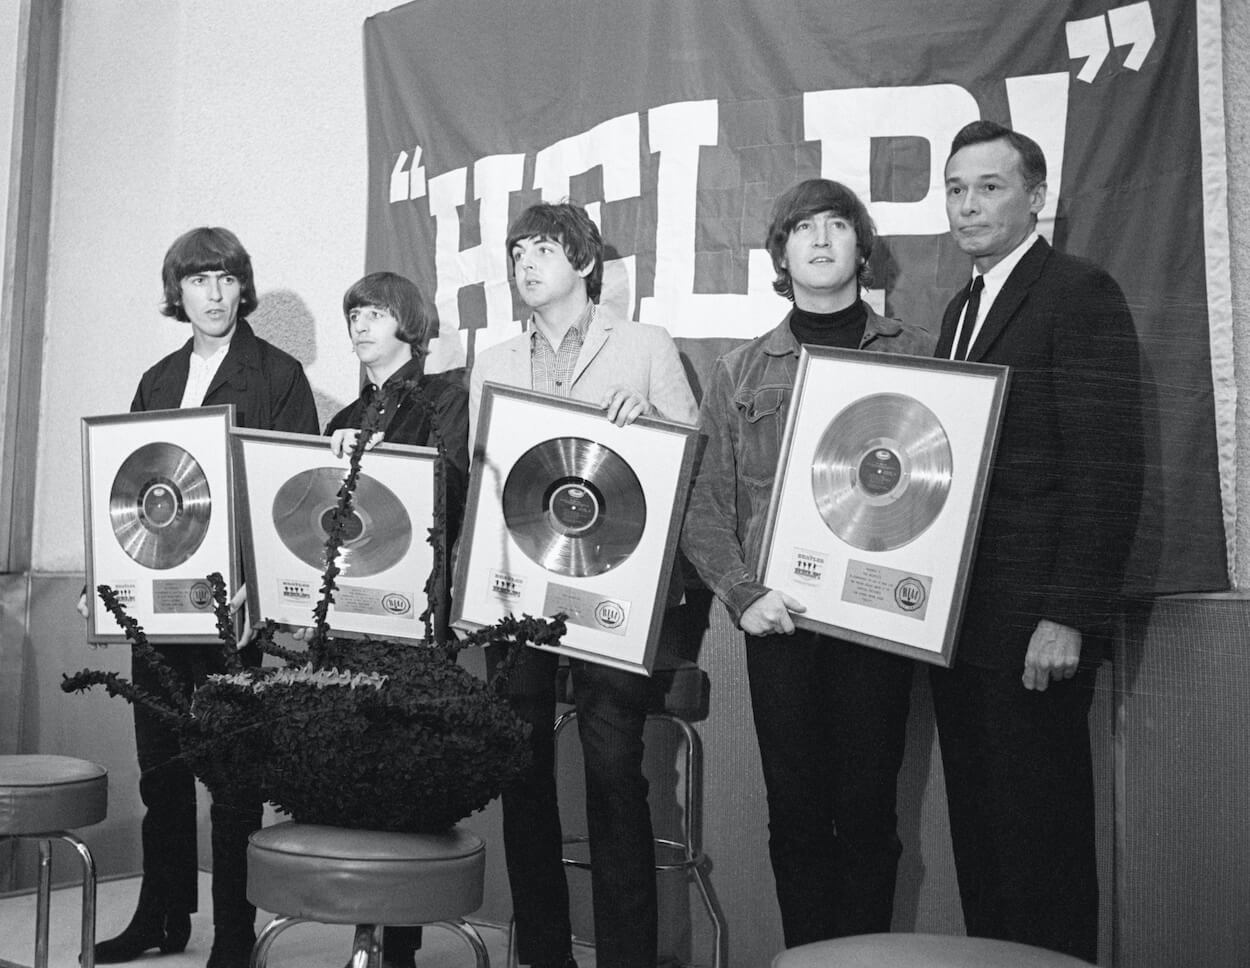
<point>994,280</point>
<point>200,375</point>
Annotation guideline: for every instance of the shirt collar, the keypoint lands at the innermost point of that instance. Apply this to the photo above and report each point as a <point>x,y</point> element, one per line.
<point>213,360</point>
<point>995,278</point>
<point>581,324</point>
<point>408,371</point>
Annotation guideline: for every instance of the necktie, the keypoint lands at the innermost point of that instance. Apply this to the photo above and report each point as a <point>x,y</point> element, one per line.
<point>972,307</point>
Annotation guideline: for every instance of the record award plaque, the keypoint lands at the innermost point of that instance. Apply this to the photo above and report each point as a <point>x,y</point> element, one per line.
<point>569,513</point>
<point>876,505</point>
<point>287,490</point>
<point>158,519</point>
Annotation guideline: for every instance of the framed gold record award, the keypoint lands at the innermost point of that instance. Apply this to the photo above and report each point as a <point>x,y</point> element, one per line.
<point>287,485</point>
<point>158,519</point>
<point>569,513</point>
<point>876,506</point>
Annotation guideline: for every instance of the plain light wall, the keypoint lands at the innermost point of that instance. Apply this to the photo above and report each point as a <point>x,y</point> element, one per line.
<point>10,23</point>
<point>177,114</point>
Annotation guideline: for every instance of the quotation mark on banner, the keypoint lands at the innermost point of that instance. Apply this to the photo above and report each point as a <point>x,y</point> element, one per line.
<point>407,182</point>
<point>1130,25</point>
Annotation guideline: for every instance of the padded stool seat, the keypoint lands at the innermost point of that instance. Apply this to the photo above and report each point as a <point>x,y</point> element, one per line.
<point>41,793</point>
<point>334,875</point>
<point>41,797</point>
<point>921,951</point>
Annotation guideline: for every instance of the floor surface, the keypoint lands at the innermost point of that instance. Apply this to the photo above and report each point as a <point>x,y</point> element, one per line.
<point>300,946</point>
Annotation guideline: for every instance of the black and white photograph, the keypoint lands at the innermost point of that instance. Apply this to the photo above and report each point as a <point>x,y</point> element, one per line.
<point>624,483</point>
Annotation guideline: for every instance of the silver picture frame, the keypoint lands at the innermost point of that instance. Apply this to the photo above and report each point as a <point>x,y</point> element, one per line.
<point>596,547</point>
<point>158,519</point>
<point>285,486</point>
<point>877,501</point>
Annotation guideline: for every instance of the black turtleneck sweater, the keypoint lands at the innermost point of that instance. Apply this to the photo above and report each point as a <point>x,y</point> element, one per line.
<point>843,329</point>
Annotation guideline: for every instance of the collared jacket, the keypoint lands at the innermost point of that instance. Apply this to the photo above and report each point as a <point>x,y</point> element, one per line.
<point>1065,490</point>
<point>616,353</point>
<point>266,385</point>
<point>742,419</point>
<point>435,403</point>
<point>446,407</point>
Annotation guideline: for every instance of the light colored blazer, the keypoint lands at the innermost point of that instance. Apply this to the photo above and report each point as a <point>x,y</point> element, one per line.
<point>616,353</point>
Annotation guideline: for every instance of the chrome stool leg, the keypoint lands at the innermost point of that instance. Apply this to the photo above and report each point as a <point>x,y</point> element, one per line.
<point>512,955</point>
<point>269,934</point>
<point>366,947</point>
<point>471,937</point>
<point>688,852</point>
<point>43,903</point>
<point>43,897</point>
<point>87,956</point>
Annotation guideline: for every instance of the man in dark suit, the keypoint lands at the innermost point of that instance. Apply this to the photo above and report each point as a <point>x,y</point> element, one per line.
<point>1061,511</point>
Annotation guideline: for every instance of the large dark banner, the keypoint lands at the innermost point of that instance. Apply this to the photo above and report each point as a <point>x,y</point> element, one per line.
<point>678,122</point>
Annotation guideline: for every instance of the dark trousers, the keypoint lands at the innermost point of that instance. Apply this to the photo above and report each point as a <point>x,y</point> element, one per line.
<point>831,720</point>
<point>167,788</point>
<point>1020,789</point>
<point>611,713</point>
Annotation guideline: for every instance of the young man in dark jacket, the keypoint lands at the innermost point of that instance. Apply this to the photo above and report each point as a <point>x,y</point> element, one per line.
<point>208,283</point>
<point>830,715</point>
<point>390,324</point>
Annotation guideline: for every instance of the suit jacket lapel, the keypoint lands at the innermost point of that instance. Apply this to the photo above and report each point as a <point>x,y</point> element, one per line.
<point>228,372</point>
<point>950,319</point>
<point>172,382</point>
<point>596,336</point>
<point>241,355</point>
<point>520,369</point>
<point>1013,293</point>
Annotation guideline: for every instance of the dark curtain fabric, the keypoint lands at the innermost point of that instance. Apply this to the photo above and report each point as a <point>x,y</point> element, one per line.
<point>680,123</point>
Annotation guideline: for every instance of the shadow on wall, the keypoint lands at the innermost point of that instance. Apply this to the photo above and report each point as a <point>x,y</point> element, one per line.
<point>284,320</point>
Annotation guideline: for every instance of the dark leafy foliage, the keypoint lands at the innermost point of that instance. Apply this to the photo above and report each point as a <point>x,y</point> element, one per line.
<point>356,733</point>
<point>225,740</point>
<point>425,748</point>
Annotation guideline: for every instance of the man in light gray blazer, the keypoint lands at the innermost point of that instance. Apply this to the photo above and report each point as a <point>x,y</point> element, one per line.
<point>629,369</point>
<point>574,348</point>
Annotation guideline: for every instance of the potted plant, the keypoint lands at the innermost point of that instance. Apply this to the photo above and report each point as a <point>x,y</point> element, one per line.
<point>362,733</point>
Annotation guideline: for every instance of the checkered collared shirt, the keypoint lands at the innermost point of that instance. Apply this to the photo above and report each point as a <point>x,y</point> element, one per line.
<point>551,370</point>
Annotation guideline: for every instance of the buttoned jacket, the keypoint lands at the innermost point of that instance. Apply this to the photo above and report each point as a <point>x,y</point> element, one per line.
<point>1066,484</point>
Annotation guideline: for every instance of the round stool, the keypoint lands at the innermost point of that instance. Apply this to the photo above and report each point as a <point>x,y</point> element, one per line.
<point>922,951</point>
<point>679,696</point>
<point>41,797</point>
<point>334,875</point>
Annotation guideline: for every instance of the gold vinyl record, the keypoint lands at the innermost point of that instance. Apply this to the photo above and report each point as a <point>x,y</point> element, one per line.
<point>160,505</point>
<point>881,471</point>
<point>376,537</point>
<point>574,506</point>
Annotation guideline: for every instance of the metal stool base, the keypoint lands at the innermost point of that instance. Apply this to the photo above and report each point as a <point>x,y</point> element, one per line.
<point>689,852</point>
<point>43,896</point>
<point>367,945</point>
